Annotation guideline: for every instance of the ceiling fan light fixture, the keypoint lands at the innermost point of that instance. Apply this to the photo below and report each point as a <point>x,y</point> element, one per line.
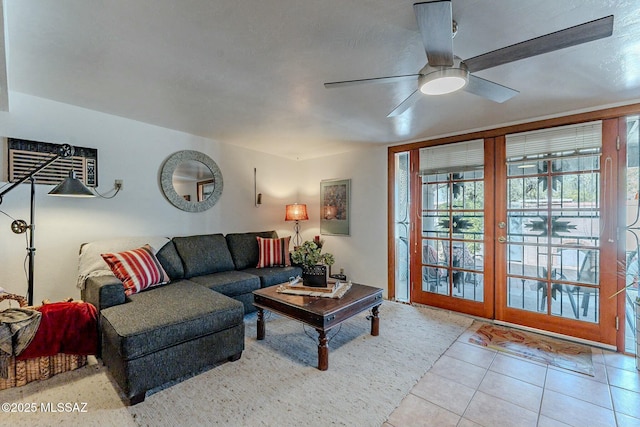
<point>443,81</point>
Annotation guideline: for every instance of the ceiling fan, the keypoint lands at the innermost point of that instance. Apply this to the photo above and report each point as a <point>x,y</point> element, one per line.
<point>446,73</point>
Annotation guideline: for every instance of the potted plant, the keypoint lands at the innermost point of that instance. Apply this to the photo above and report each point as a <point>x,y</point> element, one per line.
<point>314,263</point>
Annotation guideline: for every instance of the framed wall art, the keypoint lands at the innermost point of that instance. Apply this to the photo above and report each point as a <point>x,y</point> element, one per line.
<point>335,206</point>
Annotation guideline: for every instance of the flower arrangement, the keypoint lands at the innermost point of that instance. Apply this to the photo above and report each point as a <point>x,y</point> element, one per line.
<point>310,254</point>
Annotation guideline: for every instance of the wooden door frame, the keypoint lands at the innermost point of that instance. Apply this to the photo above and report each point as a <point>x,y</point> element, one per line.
<point>500,208</point>
<point>618,113</point>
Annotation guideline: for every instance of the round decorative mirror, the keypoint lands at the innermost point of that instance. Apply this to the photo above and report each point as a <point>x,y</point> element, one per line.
<point>191,181</point>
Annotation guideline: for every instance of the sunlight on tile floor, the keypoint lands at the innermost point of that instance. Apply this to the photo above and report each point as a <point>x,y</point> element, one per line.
<point>473,386</point>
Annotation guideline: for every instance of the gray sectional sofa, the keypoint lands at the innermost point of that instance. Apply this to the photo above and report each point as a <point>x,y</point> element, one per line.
<point>169,331</point>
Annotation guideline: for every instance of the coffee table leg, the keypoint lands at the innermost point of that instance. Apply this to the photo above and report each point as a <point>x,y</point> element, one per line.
<point>323,350</point>
<point>261,326</point>
<point>375,321</point>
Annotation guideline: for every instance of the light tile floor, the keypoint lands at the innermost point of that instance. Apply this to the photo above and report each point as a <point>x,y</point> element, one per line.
<point>470,386</point>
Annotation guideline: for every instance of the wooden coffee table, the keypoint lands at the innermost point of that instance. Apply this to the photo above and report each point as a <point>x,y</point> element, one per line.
<point>322,314</point>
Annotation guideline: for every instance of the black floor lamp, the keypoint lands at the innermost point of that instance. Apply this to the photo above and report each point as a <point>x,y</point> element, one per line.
<point>71,186</point>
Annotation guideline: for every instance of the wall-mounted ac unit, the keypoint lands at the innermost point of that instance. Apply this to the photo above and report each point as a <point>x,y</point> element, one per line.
<point>24,156</point>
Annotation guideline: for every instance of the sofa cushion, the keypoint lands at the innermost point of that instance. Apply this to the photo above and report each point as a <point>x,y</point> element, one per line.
<point>171,261</point>
<point>103,291</point>
<point>166,316</point>
<point>204,254</point>
<point>270,276</point>
<point>273,252</point>
<point>229,283</point>
<point>92,264</point>
<point>244,247</point>
<point>138,269</point>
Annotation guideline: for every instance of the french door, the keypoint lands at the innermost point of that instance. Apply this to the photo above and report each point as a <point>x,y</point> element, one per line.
<point>521,228</point>
<point>557,233</point>
<point>454,240</point>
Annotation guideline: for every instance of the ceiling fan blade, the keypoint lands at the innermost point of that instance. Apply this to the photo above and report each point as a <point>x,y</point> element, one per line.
<point>490,90</point>
<point>406,104</point>
<point>583,33</point>
<point>390,79</point>
<point>435,23</point>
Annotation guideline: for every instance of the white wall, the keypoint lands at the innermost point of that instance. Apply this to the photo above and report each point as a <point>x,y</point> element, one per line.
<point>134,152</point>
<point>362,254</point>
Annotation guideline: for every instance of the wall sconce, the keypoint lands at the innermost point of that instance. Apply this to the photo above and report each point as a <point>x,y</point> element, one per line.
<point>296,213</point>
<point>257,197</point>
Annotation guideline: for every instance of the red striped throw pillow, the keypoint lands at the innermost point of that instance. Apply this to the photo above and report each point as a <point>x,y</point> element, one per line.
<point>138,269</point>
<point>273,252</point>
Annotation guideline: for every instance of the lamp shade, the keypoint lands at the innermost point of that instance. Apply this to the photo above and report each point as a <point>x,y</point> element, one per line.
<point>296,212</point>
<point>71,187</point>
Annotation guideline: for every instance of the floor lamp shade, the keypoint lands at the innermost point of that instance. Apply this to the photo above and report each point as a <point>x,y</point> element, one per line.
<point>71,186</point>
<point>296,213</point>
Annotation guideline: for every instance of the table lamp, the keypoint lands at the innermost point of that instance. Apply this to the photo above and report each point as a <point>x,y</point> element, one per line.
<point>296,213</point>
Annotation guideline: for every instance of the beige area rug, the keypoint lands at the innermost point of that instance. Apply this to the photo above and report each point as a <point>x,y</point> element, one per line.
<point>275,383</point>
<point>563,354</point>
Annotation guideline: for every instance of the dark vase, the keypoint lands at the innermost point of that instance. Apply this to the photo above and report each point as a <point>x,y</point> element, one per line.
<point>315,276</point>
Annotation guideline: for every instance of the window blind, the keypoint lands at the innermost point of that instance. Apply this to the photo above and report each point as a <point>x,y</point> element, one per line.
<point>457,157</point>
<point>585,138</point>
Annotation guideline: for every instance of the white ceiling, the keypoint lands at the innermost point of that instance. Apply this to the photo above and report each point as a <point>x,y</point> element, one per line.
<point>251,72</point>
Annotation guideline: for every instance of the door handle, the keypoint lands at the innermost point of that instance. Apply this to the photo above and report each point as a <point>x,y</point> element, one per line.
<point>502,239</point>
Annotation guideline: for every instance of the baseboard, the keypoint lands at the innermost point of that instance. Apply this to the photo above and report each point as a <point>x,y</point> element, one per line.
<point>556,335</point>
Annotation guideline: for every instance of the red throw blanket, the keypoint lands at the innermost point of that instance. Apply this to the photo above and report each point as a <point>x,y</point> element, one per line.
<point>66,327</point>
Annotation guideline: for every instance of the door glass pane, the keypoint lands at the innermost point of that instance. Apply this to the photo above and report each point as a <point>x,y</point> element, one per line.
<point>453,220</point>
<point>553,227</point>
<point>401,228</point>
<point>633,231</point>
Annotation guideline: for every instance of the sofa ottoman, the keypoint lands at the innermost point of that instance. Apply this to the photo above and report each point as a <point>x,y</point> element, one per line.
<point>168,332</point>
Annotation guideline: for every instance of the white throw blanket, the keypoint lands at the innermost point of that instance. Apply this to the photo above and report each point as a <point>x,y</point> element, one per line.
<point>91,263</point>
